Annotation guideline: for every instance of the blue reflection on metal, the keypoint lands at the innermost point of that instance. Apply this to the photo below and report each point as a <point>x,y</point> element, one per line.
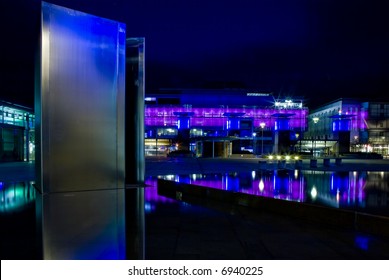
<point>80,98</point>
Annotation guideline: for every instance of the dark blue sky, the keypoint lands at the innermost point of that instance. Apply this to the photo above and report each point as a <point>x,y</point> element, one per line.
<point>319,49</point>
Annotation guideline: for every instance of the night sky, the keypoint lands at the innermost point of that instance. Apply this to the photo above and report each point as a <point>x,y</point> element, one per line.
<point>318,49</point>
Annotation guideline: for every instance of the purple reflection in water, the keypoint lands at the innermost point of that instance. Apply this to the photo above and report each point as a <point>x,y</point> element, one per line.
<point>281,184</point>
<point>152,198</point>
<point>358,191</point>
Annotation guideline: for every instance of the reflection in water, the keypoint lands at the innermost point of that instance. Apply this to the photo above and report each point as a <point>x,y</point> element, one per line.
<point>337,189</point>
<point>71,225</point>
<point>83,225</point>
<point>152,198</point>
<point>358,191</point>
<point>16,196</point>
<point>98,232</point>
<point>17,221</point>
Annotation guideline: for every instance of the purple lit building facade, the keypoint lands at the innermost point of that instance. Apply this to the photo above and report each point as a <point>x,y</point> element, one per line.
<point>220,123</point>
<point>349,125</point>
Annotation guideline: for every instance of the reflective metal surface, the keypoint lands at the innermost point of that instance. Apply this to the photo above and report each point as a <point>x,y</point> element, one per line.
<point>135,112</point>
<point>83,225</point>
<point>80,166</point>
<point>80,104</point>
<point>135,149</point>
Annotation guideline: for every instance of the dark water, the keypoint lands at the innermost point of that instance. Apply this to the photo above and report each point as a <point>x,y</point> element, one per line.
<point>358,191</point>
<point>19,205</point>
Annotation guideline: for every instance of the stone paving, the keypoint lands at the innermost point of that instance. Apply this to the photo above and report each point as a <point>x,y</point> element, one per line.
<point>179,231</point>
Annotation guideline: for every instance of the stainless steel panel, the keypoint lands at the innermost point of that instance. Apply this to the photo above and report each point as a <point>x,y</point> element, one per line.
<point>84,225</point>
<point>135,96</point>
<point>135,149</point>
<point>80,110</point>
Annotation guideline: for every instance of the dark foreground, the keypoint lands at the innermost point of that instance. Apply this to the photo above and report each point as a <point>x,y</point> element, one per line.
<point>178,230</point>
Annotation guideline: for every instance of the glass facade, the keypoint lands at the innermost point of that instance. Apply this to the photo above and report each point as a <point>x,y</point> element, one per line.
<point>367,124</point>
<point>246,128</point>
<point>17,134</point>
<point>162,116</point>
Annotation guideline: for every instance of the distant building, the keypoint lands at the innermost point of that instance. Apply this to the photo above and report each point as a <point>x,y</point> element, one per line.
<point>349,126</point>
<point>223,123</point>
<point>220,123</point>
<point>17,135</point>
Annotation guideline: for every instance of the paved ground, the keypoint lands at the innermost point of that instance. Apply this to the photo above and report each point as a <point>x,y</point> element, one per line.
<point>177,230</point>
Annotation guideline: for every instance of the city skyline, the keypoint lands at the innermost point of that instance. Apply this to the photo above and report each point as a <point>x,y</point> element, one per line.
<point>321,50</point>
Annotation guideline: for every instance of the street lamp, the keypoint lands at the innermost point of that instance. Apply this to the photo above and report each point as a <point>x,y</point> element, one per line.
<point>254,144</point>
<point>315,121</point>
<point>297,135</point>
<point>262,125</point>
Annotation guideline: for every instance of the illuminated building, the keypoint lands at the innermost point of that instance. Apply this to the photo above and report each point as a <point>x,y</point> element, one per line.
<point>17,141</point>
<point>349,126</point>
<point>219,123</point>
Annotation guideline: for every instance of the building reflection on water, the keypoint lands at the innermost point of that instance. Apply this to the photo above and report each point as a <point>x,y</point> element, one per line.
<point>16,197</point>
<point>360,191</point>
<point>104,236</point>
<point>357,191</point>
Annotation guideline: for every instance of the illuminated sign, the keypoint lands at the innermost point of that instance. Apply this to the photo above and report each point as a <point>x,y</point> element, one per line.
<point>288,104</point>
<point>257,94</point>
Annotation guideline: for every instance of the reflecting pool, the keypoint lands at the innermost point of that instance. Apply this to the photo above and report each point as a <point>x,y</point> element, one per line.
<point>358,191</point>
<point>16,197</point>
<point>103,234</point>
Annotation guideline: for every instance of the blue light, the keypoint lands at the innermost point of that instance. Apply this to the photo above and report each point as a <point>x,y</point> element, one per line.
<point>340,125</point>
<point>233,123</point>
<point>183,123</point>
<point>362,242</point>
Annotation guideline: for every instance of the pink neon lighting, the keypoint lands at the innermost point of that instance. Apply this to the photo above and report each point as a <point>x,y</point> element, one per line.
<point>214,117</point>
